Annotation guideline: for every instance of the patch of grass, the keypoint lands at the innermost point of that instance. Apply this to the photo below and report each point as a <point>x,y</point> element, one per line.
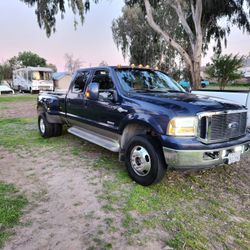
<point>11,205</point>
<point>194,209</point>
<point>18,98</point>
<point>100,244</point>
<point>228,87</point>
<point>23,133</point>
<point>4,107</point>
<point>17,132</point>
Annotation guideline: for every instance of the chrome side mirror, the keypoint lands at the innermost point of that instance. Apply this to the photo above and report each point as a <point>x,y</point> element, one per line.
<point>92,91</point>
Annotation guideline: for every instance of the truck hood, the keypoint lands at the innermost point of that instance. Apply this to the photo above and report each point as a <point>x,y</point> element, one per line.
<point>186,102</point>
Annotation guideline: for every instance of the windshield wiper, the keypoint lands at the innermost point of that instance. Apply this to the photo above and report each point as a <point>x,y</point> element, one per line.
<point>150,90</point>
<point>175,91</point>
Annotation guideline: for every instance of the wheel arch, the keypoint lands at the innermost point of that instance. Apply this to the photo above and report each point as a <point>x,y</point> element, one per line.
<point>134,128</point>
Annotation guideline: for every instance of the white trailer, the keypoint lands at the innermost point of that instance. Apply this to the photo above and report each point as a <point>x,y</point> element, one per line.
<point>239,97</point>
<point>32,79</point>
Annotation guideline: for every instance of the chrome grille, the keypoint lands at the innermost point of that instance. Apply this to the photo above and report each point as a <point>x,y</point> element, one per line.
<point>222,126</point>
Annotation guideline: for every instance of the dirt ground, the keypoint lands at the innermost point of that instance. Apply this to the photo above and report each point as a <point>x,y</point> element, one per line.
<point>18,109</point>
<point>63,210</point>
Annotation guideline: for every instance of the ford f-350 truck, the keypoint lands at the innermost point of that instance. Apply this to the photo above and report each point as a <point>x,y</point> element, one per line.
<point>148,119</point>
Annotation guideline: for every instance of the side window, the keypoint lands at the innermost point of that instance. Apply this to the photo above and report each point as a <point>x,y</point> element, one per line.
<point>80,82</point>
<point>29,75</point>
<point>105,83</point>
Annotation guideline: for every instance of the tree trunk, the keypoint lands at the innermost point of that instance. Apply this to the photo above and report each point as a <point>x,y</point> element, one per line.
<point>196,74</point>
<point>192,59</point>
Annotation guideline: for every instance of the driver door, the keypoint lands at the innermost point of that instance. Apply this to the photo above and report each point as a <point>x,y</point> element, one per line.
<point>103,112</point>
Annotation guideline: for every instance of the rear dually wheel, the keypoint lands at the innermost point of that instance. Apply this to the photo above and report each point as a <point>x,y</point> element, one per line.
<point>45,128</point>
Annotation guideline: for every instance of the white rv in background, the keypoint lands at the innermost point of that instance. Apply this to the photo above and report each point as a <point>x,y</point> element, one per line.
<point>33,79</point>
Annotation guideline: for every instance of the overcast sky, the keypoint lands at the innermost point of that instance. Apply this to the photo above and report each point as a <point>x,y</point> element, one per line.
<point>91,43</point>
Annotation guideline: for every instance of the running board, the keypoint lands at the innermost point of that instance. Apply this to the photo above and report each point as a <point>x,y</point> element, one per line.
<point>95,138</point>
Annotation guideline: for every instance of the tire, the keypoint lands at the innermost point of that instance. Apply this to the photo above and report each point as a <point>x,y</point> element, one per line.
<point>57,130</point>
<point>203,85</point>
<point>19,89</point>
<point>46,129</point>
<point>144,160</point>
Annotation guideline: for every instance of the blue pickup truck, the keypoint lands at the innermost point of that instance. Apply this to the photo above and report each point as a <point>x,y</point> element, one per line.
<point>148,119</point>
<point>187,86</point>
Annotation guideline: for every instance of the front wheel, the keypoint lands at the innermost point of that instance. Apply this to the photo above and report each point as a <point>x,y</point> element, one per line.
<point>45,128</point>
<point>144,160</point>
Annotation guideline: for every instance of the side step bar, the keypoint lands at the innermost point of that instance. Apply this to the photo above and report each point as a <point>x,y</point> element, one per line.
<point>95,138</point>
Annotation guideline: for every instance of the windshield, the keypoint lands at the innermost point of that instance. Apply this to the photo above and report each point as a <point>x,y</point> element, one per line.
<point>147,80</point>
<point>41,75</point>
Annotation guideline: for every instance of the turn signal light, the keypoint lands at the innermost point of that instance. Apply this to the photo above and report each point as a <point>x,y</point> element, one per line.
<point>87,94</point>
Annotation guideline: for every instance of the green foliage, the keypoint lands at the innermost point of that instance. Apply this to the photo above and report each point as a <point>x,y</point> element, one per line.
<point>143,45</point>
<point>11,205</point>
<point>196,210</point>
<point>47,11</point>
<point>5,71</point>
<point>213,10</point>
<point>23,59</point>
<point>19,98</point>
<point>28,58</point>
<point>225,68</point>
<point>201,210</point>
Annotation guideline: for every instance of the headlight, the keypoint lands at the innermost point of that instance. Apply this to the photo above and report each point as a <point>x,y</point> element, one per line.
<point>183,126</point>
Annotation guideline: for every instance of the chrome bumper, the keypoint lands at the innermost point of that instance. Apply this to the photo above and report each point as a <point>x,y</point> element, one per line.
<point>200,159</point>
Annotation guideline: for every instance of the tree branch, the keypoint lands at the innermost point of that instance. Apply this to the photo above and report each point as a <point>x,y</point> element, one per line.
<point>196,15</point>
<point>178,9</point>
<point>166,36</point>
<point>192,9</point>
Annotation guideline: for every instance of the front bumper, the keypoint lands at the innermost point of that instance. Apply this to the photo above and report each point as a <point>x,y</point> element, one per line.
<point>201,159</point>
<point>42,87</point>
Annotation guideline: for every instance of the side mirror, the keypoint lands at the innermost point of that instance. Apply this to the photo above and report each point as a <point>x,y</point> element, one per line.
<point>92,91</point>
<point>113,96</point>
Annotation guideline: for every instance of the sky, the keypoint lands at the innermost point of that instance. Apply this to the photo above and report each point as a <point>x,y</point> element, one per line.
<point>91,43</point>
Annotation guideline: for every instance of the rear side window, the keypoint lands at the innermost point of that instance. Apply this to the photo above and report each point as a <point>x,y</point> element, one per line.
<point>104,79</point>
<point>105,84</point>
<point>80,82</point>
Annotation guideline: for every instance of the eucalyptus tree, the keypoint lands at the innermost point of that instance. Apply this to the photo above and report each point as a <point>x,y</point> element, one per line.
<point>141,43</point>
<point>199,19</point>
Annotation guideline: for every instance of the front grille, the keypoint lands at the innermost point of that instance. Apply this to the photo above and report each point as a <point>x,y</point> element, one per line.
<point>222,126</point>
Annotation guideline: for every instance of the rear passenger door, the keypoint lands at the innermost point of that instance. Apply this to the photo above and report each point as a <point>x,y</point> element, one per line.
<point>75,102</point>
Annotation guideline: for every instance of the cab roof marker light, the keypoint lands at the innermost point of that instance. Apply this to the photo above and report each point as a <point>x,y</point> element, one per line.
<point>132,65</point>
<point>140,66</point>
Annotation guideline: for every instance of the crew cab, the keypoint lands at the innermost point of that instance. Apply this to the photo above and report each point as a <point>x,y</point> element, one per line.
<point>148,119</point>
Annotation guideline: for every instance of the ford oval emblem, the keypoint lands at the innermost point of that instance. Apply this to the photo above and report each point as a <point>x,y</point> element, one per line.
<point>233,125</point>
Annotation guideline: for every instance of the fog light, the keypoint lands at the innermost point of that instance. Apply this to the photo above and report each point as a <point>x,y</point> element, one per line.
<point>238,149</point>
<point>223,154</point>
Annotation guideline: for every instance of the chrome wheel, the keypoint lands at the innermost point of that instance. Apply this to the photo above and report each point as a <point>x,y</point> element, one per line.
<point>42,125</point>
<point>140,160</point>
